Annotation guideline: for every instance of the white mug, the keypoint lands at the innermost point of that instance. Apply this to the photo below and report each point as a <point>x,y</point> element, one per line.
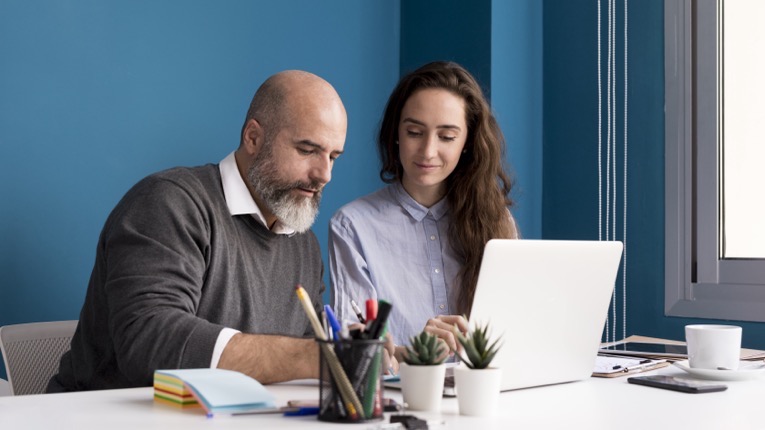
<point>716,347</point>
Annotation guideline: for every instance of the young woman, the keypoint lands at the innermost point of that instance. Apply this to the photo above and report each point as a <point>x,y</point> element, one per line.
<point>418,242</point>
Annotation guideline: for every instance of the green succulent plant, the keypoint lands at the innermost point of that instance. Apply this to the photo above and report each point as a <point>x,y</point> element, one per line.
<point>477,351</point>
<point>425,350</point>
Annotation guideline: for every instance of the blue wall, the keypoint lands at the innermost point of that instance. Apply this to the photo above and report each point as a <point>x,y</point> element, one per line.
<point>95,95</point>
<point>516,97</point>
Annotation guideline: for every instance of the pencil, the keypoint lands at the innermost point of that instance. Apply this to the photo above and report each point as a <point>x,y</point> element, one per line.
<point>310,312</point>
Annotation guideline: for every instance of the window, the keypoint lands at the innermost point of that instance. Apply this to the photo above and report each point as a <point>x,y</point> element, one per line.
<point>742,150</point>
<point>714,267</point>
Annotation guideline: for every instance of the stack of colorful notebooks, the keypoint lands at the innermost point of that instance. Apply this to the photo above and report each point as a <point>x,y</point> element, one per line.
<point>215,390</point>
<point>170,390</point>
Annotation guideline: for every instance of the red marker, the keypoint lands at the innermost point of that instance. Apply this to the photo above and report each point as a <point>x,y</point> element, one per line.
<point>371,310</point>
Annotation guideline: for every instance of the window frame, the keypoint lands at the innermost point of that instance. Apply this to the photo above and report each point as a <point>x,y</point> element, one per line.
<point>697,282</point>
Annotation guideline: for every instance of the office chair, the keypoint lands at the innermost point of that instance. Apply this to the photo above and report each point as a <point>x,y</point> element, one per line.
<point>31,353</point>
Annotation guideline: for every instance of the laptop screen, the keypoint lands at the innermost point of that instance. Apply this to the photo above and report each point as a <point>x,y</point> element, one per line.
<point>548,299</point>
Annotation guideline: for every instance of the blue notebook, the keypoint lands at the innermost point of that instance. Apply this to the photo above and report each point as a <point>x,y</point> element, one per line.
<point>224,391</point>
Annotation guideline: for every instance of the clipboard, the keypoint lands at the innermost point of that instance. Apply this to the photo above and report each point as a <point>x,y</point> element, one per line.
<point>612,366</point>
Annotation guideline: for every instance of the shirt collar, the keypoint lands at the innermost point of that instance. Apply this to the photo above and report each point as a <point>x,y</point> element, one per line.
<point>238,197</point>
<point>416,210</point>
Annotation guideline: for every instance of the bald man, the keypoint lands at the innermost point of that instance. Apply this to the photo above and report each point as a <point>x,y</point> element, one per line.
<point>197,267</point>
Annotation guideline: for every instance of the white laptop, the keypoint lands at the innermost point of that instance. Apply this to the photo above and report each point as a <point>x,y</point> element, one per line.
<point>549,300</point>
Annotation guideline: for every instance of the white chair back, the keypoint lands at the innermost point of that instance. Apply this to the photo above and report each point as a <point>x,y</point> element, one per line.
<point>32,352</point>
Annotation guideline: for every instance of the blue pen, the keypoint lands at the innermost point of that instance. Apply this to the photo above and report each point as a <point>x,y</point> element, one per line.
<point>306,410</point>
<point>333,321</point>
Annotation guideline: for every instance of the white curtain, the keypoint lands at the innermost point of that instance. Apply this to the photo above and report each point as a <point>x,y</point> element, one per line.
<point>612,127</point>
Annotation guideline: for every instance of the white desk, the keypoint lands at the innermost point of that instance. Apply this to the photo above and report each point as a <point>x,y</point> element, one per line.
<point>594,403</point>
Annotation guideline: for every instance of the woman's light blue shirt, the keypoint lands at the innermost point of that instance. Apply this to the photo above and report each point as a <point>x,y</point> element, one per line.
<point>386,246</point>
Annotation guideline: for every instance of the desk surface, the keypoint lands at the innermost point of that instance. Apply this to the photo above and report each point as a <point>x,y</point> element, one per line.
<point>595,403</point>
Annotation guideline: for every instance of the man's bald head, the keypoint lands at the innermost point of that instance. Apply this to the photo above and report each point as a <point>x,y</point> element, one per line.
<point>294,131</point>
<point>287,94</point>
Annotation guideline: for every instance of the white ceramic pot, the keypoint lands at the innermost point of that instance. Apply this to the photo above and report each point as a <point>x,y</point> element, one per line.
<point>477,390</point>
<point>422,386</point>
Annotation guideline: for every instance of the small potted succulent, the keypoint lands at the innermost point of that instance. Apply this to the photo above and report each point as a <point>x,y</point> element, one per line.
<point>477,383</point>
<point>422,372</point>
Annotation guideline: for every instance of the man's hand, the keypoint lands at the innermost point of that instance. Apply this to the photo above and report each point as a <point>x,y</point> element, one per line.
<point>270,359</point>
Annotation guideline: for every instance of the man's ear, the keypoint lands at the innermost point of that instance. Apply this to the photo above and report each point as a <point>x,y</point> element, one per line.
<point>252,137</point>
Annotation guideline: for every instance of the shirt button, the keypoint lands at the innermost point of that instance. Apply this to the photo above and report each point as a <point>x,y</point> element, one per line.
<point>432,237</point>
<point>437,271</point>
<point>441,307</point>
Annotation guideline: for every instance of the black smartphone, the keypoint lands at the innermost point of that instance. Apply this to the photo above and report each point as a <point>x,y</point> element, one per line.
<point>677,384</point>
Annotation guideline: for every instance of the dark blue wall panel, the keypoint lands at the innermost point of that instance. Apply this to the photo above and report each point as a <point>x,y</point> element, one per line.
<point>447,30</point>
<point>570,196</point>
<point>500,43</point>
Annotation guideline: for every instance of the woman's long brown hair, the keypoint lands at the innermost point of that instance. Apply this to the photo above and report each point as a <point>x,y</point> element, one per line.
<point>478,189</point>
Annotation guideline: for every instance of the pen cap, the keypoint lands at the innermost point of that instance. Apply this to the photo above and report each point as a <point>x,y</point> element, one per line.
<point>371,309</point>
<point>351,380</point>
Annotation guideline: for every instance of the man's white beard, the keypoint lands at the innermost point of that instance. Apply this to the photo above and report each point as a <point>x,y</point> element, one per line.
<point>298,213</point>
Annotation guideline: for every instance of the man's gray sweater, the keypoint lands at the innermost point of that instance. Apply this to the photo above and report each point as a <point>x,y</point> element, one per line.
<point>174,267</point>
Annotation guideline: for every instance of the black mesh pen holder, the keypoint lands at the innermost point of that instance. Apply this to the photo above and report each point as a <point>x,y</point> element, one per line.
<point>350,375</point>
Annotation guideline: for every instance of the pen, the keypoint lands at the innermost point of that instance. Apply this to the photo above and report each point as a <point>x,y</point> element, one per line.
<point>302,403</point>
<point>376,328</point>
<point>357,310</point>
<point>305,410</point>
<point>336,329</point>
<point>642,366</point>
<point>277,410</point>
